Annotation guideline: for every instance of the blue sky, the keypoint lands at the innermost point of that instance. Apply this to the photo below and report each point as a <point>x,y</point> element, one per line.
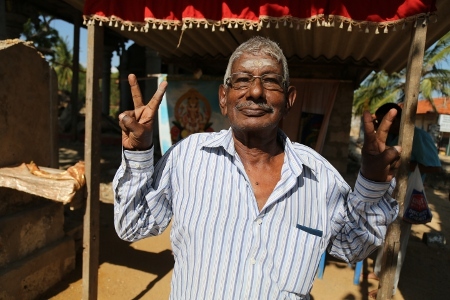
<point>66,32</point>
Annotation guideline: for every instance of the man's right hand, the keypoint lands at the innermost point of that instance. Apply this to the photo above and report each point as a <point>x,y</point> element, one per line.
<point>137,124</point>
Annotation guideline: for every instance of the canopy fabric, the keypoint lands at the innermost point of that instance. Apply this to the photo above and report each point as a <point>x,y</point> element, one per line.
<point>141,14</point>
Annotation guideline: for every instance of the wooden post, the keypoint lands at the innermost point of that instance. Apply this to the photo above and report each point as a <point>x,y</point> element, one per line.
<point>92,161</point>
<point>75,75</point>
<point>392,244</point>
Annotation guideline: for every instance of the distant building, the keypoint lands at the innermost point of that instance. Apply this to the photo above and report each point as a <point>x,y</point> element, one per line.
<point>428,120</point>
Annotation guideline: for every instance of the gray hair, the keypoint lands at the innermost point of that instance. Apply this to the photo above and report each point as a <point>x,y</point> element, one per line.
<point>259,45</point>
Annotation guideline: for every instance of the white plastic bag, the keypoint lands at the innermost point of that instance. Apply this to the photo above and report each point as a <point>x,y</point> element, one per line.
<point>416,204</point>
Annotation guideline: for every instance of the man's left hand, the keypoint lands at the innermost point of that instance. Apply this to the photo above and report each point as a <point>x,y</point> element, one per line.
<point>379,161</point>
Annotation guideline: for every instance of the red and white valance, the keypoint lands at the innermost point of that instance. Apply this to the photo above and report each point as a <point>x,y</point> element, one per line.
<point>367,15</point>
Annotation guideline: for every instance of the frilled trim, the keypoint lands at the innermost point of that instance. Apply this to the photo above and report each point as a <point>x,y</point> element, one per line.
<point>264,22</point>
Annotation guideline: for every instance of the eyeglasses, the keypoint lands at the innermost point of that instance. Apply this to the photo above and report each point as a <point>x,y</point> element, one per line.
<point>242,81</point>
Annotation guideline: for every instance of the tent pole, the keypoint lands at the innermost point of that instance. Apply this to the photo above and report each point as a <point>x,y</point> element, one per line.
<point>413,74</point>
<point>92,162</point>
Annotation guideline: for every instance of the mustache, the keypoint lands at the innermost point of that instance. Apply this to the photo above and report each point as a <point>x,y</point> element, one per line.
<point>266,107</point>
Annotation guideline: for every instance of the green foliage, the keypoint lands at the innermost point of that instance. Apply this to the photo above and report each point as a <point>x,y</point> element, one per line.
<point>380,88</point>
<point>43,36</point>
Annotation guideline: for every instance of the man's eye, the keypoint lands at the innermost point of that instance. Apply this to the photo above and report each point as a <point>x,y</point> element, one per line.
<point>242,79</point>
<point>271,79</point>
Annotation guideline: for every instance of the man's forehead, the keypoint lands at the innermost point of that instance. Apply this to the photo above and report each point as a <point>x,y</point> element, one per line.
<point>255,60</point>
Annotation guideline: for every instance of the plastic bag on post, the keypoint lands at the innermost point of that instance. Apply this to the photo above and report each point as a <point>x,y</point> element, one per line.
<point>416,204</point>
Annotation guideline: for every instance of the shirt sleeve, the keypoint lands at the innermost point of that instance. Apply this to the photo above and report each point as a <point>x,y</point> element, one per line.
<point>142,195</point>
<point>361,219</point>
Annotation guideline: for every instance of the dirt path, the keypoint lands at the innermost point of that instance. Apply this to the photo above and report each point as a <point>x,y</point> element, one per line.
<point>143,270</point>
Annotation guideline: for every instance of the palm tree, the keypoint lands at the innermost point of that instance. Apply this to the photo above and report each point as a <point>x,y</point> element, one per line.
<point>63,64</point>
<point>380,88</point>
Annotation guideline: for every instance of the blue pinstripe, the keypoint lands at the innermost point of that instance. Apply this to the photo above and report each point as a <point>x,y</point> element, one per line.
<point>224,247</point>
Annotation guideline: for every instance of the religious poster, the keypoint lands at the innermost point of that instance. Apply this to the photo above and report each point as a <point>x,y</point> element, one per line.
<point>189,106</point>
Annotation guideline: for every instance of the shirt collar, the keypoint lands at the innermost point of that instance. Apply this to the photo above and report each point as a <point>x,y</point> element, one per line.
<point>224,139</point>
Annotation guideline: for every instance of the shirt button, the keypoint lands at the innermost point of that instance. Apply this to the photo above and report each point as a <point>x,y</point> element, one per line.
<point>259,221</point>
<point>253,261</point>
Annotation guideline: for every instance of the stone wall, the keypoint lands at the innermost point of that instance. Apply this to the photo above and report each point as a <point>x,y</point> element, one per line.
<point>28,106</point>
<point>336,144</point>
<point>35,252</point>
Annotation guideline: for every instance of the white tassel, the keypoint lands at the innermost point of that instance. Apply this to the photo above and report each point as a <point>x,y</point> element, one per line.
<point>222,28</point>
<point>376,31</point>
<point>308,26</point>
<point>100,23</point>
<point>161,27</point>
<point>236,25</point>
<point>84,22</point>
<point>250,27</point>
<point>318,23</point>
<point>206,25</point>
<point>117,24</point>
<point>244,27</point>
<point>268,25</point>
<point>142,29</point>
<point>135,29</point>
<point>342,25</point>
<point>110,23</point>
<point>175,28</point>
<point>190,25</point>
<point>184,27</point>
<point>385,29</point>
<point>154,26</point>
<point>213,28</point>
<point>276,25</point>
<point>367,29</point>
<point>291,25</point>
<point>285,22</point>
<point>168,27</point>
<point>122,28</point>
<point>349,27</point>
<point>129,28</point>
<point>229,25</point>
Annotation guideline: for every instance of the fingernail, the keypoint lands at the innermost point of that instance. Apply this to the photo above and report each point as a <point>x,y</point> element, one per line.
<point>398,148</point>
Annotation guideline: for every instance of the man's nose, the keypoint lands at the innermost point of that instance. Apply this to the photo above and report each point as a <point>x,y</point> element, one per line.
<point>256,87</point>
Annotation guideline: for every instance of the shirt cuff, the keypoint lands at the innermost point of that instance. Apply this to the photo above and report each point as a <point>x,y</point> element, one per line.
<point>371,191</point>
<point>138,161</point>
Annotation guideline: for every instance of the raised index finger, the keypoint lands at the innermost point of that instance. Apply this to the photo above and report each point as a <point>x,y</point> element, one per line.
<point>386,123</point>
<point>135,91</point>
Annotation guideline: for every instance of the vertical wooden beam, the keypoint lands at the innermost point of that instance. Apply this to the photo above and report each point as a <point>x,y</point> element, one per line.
<point>92,161</point>
<point>75,75</point>
<point>413,75</point>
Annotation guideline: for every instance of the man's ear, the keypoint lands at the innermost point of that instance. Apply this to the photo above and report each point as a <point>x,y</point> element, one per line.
<point>291,94</point>
<point>223,99</point>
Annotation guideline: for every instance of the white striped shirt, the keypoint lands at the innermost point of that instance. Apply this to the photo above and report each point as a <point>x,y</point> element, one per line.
<point>224,247</point>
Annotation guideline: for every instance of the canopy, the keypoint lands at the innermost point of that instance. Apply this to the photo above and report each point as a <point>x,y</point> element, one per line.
<point>196,33</point>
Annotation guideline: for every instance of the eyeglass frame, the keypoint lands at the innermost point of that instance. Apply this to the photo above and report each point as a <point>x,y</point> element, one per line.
<point>253,77</point>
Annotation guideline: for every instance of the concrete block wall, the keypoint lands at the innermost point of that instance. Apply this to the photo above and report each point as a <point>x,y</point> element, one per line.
<point>336,144</point>
<point>35,253</point>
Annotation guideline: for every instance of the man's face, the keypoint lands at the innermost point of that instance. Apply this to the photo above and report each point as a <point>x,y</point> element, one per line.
<point>255,107</point>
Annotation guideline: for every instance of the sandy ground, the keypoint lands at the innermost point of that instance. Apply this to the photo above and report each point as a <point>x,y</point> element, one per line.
<point>143,269</point>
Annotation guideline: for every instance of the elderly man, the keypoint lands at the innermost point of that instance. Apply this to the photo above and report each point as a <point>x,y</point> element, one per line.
<point>253,211</point>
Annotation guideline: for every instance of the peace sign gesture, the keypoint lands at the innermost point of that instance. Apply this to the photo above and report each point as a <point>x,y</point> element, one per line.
<point>137,124</point>
<point>379,161</point>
